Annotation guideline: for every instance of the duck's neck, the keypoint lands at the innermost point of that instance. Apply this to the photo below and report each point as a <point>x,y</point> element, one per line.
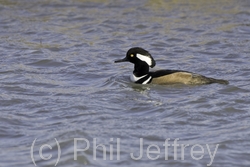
<point>141,69</point>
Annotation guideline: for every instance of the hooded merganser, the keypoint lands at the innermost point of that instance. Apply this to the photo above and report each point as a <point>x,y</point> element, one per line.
<point>142,60</point>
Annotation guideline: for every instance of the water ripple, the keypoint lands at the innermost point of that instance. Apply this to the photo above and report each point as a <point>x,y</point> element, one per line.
<point>59,80</point>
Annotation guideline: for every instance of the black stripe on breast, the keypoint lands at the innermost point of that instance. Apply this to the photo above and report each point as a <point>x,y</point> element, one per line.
<point>140,81</point>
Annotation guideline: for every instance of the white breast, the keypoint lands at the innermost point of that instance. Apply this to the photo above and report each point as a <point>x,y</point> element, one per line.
<point>134,78</point>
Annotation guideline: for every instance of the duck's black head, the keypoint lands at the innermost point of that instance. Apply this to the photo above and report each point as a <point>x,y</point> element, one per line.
<point>137,55</point>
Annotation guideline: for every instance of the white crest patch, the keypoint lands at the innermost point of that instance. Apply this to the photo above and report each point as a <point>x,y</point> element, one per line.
<point>144,58</point>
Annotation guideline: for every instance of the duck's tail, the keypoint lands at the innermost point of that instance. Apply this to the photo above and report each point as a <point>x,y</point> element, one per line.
<point>220,81</point>
<point>200,79</point>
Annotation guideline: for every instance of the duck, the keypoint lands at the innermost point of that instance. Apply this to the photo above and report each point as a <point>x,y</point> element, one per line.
<point>143,60</point>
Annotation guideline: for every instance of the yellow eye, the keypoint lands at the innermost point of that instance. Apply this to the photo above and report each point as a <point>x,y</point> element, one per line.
<point>131,55</point>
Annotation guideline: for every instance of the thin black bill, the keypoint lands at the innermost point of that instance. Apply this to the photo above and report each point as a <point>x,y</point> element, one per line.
<point>121,60</point>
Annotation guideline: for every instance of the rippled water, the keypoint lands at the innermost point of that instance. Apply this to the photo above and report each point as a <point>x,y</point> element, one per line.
<point>60,86</point>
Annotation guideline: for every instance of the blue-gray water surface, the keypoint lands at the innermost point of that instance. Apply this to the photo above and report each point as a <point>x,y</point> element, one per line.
<point>64,102</point>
